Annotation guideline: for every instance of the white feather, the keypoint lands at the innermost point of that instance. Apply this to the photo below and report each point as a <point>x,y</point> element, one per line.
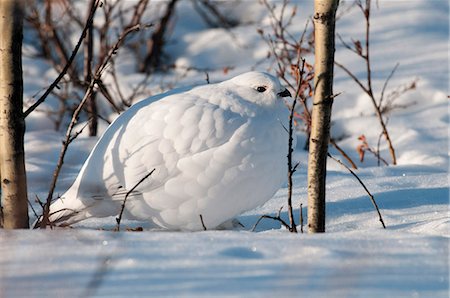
<point>217,150</point>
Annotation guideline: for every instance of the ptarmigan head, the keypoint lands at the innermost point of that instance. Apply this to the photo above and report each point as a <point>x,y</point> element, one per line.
<point>258,87</point>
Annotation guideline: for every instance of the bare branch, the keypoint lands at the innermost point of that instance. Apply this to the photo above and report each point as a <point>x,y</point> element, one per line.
<point>32,208</point>
<point>69,61</point>
<point>156,42</point>
<point>73,122</point>
<point>360,84</point>
<point>276,218</point>
<point>203,223</point>
<point>364,146</point>
<point>372,199</point>
<point>122,209</point>
<point>222,21</point>
<point>291,169</point>
<point>301,218</point>
<point>342,152</point>
<point>349,47</point>
<point>385,85</point>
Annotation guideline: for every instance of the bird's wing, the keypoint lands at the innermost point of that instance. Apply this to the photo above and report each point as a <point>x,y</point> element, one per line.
<point>176,137</point>
<point>180,137</point>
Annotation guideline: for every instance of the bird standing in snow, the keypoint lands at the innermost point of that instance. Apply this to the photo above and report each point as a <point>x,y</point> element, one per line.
<point>215,150</point>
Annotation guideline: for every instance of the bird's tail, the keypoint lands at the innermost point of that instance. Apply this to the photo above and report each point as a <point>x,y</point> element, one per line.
<point>64,212</point>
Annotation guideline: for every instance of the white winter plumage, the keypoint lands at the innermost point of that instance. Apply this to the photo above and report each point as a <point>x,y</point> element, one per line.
<point>217,150</point>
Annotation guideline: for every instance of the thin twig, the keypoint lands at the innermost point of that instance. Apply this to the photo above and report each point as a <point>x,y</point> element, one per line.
<point>350,74</point>
<point>301,218</point>
<point>347,46</point>
<point>73,122</point>
<point>364,146</point>
<point>369,92</point>
<point>276,218</point>
<point>122,209</point>
<point>139,10</point>
<point>117,85</point>
<point>203,223</point>
<point>222,21</point>
<point>115,47</point>
<point>69,61</point>
<point>156,42</point>
<point>342,152</point>
<point>366,11</point>
<point>378,149</point>
<point>372,199</point>
<point>66,142</point>
<point>32,209</point>
<point>88,59</point>
<point>385,85</point>
<point>291,169</point>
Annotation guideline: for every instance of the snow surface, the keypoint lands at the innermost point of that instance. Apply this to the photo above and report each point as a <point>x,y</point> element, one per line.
<point>355,258</point>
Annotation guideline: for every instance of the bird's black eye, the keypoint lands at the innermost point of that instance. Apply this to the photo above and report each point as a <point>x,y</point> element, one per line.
<point>261,89</point>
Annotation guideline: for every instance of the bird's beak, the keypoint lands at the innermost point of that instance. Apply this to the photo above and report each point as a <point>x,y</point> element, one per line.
<point>285,93</point>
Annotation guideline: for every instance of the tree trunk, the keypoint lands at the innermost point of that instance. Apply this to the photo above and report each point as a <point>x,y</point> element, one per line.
<point>12,124</point>
<point>324,21</point>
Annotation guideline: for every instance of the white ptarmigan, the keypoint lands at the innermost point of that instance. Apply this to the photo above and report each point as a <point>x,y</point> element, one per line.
<point>216,150</point>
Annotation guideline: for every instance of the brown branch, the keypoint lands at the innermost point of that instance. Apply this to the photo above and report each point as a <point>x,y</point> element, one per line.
<point>88,57</point>
<point>276,218</point>
<point>372,199</point>
<point>369,92</point>
<point>378,147</point>
<point>66,142</point>
<point>364,146</point>
<point>301,218</point>
<point>139,10</point>
<point>122,209</point>
<point>53,37</point>
<point>156,42</point>
<point>222,20</point>
<point>113,50</point>
<point>291,169</point>
<point>73,122</point>
<point>349,47</point>
<point>287,51</point>
<point>69,62</point>
<point>32,208</point>
<point>104,90</point>
<point>350,74</point>
<point>116,84</point>
<point>385,85</point>
<point>203,223</point>
<point>378,156</point>
<point>342,152</point>
<point>366,12</point>
<point>393,95</point>
<point>72,13</point>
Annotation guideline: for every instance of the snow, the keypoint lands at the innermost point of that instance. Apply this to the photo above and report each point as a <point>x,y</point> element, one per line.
<point>369,263</point>
<point>355,258</point>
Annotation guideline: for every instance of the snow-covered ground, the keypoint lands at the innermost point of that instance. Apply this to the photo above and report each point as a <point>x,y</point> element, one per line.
<point>355,258</point>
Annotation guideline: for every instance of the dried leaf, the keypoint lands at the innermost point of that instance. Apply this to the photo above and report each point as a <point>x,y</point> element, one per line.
<point>358,47</point>
<point>361,152</point>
